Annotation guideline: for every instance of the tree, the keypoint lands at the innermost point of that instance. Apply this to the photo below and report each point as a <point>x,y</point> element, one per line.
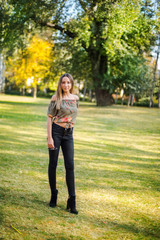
<point>157,31</point>
<point>154,76</point>
<point>39,60</point>
<point>130,74</point>
<point>16,69</point>
<point>104,29</point>
<point>34,63</point>
<point>137,77</point>
<point>159,90</point>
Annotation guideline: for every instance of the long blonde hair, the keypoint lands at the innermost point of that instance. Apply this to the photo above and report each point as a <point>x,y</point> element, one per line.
<point>59,92</point>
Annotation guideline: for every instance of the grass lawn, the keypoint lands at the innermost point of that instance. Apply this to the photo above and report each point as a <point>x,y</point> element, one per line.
<point>117,170</point>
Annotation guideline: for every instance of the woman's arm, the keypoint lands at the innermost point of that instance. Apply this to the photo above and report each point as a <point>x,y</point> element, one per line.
<point>49,133</point>
<point>49,126</point>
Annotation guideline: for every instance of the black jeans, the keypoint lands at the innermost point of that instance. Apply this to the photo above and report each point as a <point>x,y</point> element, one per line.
<point>64,139</point>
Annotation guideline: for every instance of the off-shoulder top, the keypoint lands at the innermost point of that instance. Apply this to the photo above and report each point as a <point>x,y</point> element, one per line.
<point>67,112</point>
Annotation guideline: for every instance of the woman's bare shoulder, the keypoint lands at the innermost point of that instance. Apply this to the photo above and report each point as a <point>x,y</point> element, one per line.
<point>75,97</point>
<point>53,98</point>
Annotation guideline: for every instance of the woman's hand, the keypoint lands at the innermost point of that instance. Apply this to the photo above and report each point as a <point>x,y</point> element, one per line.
<point>50,143</point>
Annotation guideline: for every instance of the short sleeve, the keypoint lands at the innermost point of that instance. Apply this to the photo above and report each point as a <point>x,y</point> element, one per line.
<point>52,111</point>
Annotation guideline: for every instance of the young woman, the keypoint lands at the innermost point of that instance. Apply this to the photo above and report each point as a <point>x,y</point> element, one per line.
<point>62,112</point>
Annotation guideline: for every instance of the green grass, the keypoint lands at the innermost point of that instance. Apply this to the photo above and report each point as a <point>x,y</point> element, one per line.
<point>117,159</point>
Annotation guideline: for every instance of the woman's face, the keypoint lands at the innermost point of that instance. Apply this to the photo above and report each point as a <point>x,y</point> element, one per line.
<point>66,84</point>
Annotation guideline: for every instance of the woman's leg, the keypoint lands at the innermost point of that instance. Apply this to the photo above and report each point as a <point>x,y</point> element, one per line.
<point>68,153</point>
<point>53,159</point>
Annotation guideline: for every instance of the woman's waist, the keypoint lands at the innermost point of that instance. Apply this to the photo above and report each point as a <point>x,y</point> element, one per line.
<point>64,124</point>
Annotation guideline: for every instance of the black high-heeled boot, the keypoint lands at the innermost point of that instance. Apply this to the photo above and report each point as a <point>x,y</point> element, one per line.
<point>71,204</point>
<point>53,201</point>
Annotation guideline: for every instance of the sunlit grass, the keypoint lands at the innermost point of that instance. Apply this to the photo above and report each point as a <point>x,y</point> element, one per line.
<point>117,159</point>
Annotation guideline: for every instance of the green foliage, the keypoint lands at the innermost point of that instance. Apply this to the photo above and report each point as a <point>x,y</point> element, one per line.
<point>147,8</point>
<point>100,32</point>
<point>122,33</point>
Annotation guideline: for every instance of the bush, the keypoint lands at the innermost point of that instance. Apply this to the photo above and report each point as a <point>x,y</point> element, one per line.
<point>141,103</point>
<point>13,92</point>
<point>45,95</point>
<point>144,104</point>
<point>119,101</point>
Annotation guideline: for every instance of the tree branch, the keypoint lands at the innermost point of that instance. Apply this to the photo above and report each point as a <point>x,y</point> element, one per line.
<point>83,5</point>
<point>63,30</point>
<point>57,27</point>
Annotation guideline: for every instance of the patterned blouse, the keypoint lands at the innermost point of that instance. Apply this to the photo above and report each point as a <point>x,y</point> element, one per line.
<point>67,112</point>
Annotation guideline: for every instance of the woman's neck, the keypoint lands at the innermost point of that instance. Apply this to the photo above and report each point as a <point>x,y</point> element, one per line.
<point>66,95</point>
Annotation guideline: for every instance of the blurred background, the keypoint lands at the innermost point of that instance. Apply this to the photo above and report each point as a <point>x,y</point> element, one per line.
<point>110,47</point>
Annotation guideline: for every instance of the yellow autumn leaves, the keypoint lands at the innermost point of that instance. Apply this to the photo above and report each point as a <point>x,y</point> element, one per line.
<point>28,68</point>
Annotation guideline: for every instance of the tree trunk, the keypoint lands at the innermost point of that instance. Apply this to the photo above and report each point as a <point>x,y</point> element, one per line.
<point>23,90</point>
<point>122,99</point>
<point>132,99</point>
<point>103,98</point>
<point>99,69</point>
<point>154,78</point>
<point>90,95</point>
<point>129,99</point>
<point>84,92</point>
<point>151,98</point>
<point>2,77</point>
<point>159,91</point>
<point>35,92</point>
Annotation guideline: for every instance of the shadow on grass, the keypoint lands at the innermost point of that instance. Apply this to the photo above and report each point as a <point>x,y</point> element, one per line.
<point>23,117</point>
<point>103,150</point>
<point>38,104</point>
<point>1,212</point>
<point>62,236</point>
<point>26,200</point>
<point>142,232</point>
<point>104,179</point>
<point>31,201</point>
